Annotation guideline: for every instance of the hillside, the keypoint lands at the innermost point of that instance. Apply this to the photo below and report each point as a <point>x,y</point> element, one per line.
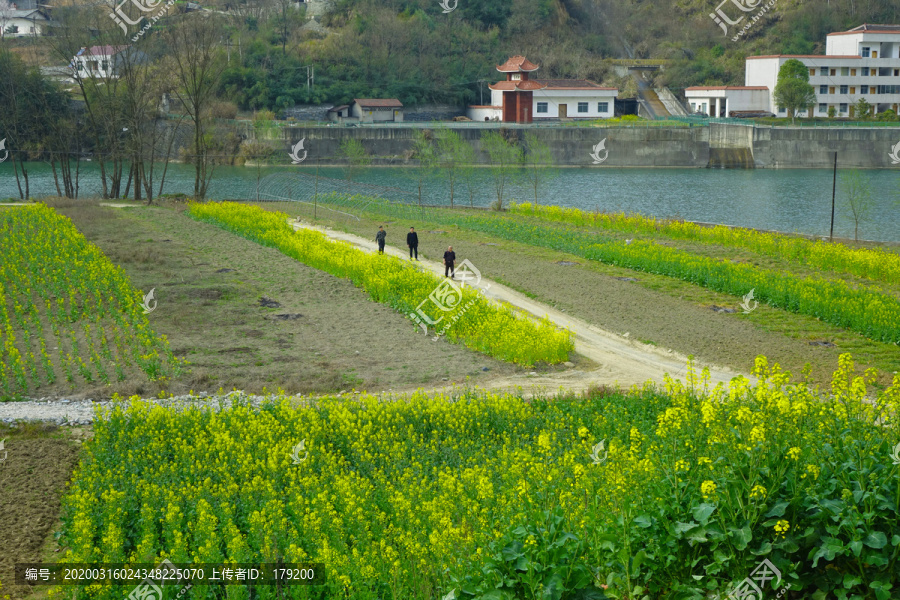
<point>412,50</point>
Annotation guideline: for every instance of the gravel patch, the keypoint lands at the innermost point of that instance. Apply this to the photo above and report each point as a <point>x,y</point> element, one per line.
<point>72,412</point>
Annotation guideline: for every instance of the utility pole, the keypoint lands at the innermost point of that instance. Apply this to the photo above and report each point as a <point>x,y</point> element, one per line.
<point>833,191</point>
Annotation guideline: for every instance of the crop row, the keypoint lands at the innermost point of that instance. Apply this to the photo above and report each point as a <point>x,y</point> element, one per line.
<point>459,312</point>
<point>66,309</point>
<point>653,494</point>
<point>873,264</point>
<point>866,310</point>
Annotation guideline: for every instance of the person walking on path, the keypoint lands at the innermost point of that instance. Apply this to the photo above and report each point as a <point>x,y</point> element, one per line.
<point>412,240</point>
<point>379,237</point>
<point>449,260</point>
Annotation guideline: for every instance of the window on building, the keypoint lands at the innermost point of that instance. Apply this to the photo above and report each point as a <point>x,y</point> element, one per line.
<point>831,90</point>
<point>833,72</point>
<point>852,72</point>
<point>863,89</point>
<point>823,108</point>
<point>812,72</point>
<point>823,89</point>
<point>865,71</point>
<point>896,72</point>
<point>104,65</point>
<point>12,29</point>
<point>883,72</point>
<point>823,71</point>
<point>874,53</point>
<point>843,107</point>
<point>516,76</point>
<point>845,71</point>
<point>781,109</point>
<point>542,107</point>
<point>844,89</point>
<point>852,89</point>
<point>865,52</point>
<point>582,107</point>
<point>602,107</point>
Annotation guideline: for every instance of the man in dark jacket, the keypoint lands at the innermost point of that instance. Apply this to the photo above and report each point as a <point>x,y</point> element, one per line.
<point>449,260</point>
<point>412,240</point>
<point>379,237</point>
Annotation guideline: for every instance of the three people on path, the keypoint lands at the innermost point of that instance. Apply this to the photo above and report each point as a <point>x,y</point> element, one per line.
<point>449,262</point>
<point>380,237</point>
<point>412,240</point>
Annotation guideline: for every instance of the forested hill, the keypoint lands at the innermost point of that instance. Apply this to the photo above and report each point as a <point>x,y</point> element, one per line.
<point>412,50</point>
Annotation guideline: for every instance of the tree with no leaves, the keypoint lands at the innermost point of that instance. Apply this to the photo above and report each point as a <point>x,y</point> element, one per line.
<point>858,190</point>
<point>197,63</point>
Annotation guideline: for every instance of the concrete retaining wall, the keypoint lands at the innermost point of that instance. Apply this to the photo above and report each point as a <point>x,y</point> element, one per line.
<point>815,148</point>
<point>571,146</point>
<point>719,145</point>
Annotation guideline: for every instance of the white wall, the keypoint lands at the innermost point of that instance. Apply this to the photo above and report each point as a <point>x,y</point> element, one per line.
<point>846,72</point>
<point>478,113</point>
<point>25,27</point>
<point>571,98</point>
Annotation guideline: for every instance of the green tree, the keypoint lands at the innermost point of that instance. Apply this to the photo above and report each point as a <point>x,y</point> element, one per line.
<point>503,158</point>
<point>454,156</point>
<point>863,109</point>
<point>858,191</point>
<point>356,156</point>
<point>793,90</point>
<point>539,164</point>
<point>426,157</point>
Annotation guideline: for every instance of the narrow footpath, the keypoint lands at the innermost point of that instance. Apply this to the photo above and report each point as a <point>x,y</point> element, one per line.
<point>620,361</point>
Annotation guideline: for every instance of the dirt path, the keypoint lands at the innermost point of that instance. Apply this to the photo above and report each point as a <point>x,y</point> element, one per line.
<point>620,361</point>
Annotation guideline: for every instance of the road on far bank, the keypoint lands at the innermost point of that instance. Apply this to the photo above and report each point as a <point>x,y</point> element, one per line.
<point>618,360</point>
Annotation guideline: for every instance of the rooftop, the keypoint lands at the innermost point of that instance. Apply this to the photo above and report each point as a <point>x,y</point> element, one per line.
<point>725,87</point>
<point>101,50</point>
<point>825,56</point>
<point>379,102</point>
<point>867,28</point>
<point>520,86</point>
<point>572,84</point>
<point>517,64</point>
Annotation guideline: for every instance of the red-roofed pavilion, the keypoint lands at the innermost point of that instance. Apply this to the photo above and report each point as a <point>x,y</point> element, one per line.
<point>517,89</point>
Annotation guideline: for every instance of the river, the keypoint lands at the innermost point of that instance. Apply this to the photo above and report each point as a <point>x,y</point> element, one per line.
<point>789,200</point>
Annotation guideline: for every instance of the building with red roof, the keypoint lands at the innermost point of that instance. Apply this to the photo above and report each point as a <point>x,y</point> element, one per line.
<point>523,99</point>
<point>376,110</point>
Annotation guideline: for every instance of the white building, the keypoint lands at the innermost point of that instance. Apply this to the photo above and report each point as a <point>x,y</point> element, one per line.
<point>522,99</point>
<point>102,62</point>
<point>21,23</point>
<point>863,62</point>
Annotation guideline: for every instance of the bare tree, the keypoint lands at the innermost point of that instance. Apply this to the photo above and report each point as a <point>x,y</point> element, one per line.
<point>858,190</point>
<point>84,30</point>
<point>6,9</point>
<point>197,61</point>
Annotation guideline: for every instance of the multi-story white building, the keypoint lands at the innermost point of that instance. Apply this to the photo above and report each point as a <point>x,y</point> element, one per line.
<point>863,62</point>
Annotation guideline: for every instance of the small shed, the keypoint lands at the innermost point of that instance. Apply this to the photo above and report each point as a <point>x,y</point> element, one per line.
<point>339,113</point>
<point>377,110</point>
